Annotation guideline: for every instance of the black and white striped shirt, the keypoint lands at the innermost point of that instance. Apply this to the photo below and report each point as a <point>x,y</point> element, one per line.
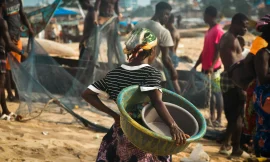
<point>145,76</point>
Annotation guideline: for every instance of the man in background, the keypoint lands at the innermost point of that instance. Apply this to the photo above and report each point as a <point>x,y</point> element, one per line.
<point>15,17</point>
<point>5,43</point>
<point>97,14</point>
<point>234,97</point>
<point>211,65</point>
<point>176,38</point>
<point>165,42</point>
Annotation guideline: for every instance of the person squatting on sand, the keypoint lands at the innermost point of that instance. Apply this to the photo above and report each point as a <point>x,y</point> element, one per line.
<point>140,49</point>
<point>165,41</point>
<point>6,43</point>
<point>14,15</point>
<point>233,96</point>
<point>211,63</point>
<point>98,14</point>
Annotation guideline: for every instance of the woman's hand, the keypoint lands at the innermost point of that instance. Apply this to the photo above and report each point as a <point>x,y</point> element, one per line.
<point>178,135</point>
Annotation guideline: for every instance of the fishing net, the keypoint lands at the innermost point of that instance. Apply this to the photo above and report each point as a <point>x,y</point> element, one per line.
<point>46,87</point>
<point>50,91</point>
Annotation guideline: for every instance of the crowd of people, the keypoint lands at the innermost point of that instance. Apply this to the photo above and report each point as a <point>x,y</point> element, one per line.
<point>220,49</point>
<point>151,51</point>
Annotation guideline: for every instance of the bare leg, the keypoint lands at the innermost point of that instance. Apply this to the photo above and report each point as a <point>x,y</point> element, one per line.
<point>236,137</point>
<point>229,129</point>
<point>2,95</point>
<point>234,101</point>
<point>3,102</point>
<point>228,135</point>
<point>212,107</point>
<point>219,106</point>
<point>15,87</point>
<point>16,93</point>
<point>8,85</point>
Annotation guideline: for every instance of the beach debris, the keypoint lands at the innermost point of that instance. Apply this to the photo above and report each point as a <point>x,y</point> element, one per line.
<point>45,133</point>
<point>198,155</point>
<point>97,136</point>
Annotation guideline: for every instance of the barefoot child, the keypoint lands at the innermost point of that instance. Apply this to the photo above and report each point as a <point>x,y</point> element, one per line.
<point>140,51</point>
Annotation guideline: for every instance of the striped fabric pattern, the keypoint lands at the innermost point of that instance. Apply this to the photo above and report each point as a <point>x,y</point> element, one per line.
<point>147,77</point>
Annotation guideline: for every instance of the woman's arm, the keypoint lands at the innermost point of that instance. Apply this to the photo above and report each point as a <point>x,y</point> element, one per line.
<point>262,66</point>
<point>92,98</point>
<point>156,99</point>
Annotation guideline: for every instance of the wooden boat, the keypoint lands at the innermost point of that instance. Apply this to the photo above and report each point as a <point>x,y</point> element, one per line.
<point>44,14</point>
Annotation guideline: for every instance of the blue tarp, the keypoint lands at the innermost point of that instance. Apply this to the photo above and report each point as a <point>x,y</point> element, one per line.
<point>124,23</point>
<point>64,12</point>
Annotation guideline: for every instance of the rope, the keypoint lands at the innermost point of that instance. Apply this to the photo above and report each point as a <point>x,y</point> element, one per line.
<point>46,105</point>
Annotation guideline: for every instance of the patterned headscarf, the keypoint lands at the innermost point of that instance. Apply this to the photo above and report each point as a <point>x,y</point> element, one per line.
<point>140,39</point>
<point>264,21</point>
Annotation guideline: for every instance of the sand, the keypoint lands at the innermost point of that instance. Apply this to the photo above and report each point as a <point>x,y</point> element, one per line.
<point>26,142</point>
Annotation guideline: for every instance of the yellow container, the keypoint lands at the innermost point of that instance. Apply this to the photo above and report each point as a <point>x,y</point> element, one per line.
<point>146,139</point>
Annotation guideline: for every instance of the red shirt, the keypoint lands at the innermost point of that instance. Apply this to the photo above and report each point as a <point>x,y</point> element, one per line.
<point>212,37</point>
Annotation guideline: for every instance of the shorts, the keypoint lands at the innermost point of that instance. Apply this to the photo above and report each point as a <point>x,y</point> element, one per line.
<point>234,103</point>
<point>215,79</point>
<point>16,55</point>
<point>225,82</point>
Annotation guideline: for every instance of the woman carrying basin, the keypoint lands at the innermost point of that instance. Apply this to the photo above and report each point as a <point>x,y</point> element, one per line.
<point>140,51</point>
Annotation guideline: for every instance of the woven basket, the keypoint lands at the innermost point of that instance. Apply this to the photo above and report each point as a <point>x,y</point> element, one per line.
<point>146,139</point>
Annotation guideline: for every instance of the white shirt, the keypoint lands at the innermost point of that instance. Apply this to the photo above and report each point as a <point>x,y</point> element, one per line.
<point>164,40</point>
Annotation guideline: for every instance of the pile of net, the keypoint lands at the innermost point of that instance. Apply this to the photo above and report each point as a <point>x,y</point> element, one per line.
<point>45,87</point>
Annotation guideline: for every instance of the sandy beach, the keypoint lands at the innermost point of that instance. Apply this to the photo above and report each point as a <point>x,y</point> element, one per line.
<point>40,141</point>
